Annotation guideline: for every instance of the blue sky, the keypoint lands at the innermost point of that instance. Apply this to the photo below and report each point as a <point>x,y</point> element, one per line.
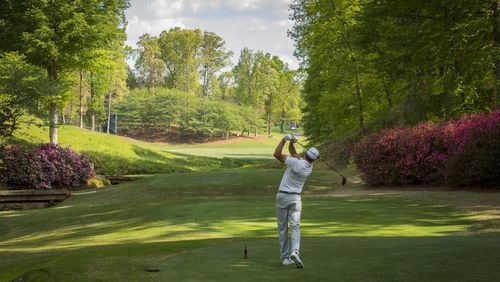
<point>255,24</point>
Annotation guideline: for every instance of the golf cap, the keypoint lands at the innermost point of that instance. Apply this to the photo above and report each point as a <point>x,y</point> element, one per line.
<point>313,153</point>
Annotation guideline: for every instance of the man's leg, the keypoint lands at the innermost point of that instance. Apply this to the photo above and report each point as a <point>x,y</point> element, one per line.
<point>282,219</point>
<point>294,214</point>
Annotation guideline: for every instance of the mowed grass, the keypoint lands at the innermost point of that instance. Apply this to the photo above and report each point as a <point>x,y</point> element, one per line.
<point>194,227</point>
<point>243,147</point>
<point>117,155</point>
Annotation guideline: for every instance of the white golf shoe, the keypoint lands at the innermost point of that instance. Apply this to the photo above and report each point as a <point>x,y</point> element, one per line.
<point>295,257</point>
<point>288,261</point>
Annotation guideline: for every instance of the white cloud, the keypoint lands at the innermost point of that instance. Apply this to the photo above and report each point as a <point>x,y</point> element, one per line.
<point>137,27</point>
<point>255,24</point>
<point>258,25</point>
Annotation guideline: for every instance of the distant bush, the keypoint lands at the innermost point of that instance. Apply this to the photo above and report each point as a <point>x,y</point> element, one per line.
<point>44,166</point>
<point>457,152</point>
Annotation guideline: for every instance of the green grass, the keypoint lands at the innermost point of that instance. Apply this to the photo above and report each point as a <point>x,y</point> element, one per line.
<point>194,226</point>
<point>248,149</point>
<point>116,155</point>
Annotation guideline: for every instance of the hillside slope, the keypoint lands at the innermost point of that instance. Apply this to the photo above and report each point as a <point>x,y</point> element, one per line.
<point>117,155</point>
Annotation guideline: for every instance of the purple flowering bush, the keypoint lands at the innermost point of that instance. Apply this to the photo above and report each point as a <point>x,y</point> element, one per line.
<point>457,153</point>
<point>474,158</point>
<point>44,166</point>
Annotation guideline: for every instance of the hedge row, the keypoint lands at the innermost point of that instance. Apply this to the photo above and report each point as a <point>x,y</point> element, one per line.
<point>44,166</point>
<point>463,152</point>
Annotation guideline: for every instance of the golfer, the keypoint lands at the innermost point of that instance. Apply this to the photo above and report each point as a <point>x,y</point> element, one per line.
<point>288,200</point>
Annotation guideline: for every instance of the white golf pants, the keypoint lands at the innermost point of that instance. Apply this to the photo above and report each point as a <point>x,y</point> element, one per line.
<point>288,211</point>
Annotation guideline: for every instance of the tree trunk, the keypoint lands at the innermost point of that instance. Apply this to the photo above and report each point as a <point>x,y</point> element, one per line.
<point>71,112</point>
<point>359,98</point>
<point>109,112</point>
<point>495,6</point>
<point>53,123</point>
<point>81,99</point>
<point>53,107</point>
<point>92,94</point>
<point>268,124</point>
<point>282,123</point>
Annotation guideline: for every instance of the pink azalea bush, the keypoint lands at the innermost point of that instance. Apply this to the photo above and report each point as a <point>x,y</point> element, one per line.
<point>44,166</point>
<point>474,158</point>
<point>458,152</point>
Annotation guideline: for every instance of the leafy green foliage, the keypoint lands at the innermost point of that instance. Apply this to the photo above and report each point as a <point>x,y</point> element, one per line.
<point>149,63</point>
<point>380,64</point>
<point>21,85</point>
<point>266,84</point>
<point>179,51</point>
<point>60,37</point>
<point>187,112</point>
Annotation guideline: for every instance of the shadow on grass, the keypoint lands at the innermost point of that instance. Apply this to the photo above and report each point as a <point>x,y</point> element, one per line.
<point>452,258</point>
<point>81,226</point>
<point>149,162</point>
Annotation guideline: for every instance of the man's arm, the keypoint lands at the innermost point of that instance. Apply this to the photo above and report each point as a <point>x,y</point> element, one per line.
<point>278,151</point>
<point>291,148</point>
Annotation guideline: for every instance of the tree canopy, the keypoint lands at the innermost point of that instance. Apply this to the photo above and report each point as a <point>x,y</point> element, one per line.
<point>61,37</point>
<point>376,64</point>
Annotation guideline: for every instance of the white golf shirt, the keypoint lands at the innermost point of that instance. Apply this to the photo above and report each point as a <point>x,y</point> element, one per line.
<point>295,175</point>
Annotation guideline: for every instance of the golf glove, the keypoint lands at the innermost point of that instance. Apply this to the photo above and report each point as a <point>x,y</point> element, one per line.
<point>288,137</point>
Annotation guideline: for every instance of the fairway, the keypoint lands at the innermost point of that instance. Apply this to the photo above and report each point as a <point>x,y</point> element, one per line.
<point>194,226</point>
<point>249,141</point>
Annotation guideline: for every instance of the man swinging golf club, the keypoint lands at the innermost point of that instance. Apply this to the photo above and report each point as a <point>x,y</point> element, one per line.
<point>288,200</point>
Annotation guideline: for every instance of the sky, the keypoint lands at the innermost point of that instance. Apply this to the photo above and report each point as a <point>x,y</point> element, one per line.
<point>255,24</point>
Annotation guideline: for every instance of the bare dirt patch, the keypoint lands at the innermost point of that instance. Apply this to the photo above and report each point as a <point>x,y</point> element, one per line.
<point>173,136</point>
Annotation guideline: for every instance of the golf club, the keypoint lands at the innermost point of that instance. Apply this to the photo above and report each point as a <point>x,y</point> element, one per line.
<point>344,179</point>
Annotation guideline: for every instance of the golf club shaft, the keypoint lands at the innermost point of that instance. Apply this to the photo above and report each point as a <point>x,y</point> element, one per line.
<point>329,165</point>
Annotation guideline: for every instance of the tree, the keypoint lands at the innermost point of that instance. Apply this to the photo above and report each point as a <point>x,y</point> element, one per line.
<point>117,72</point>
<point>289,100</point>
<point>266,84</point>
<point>179,50</point>
<point>213,58</point>
<point>21,86</point>
<point>52,34</point>
<point>226,86</point>
<point>244,78</point>
<point>336,88</point>
<point>149,63</point>
<point>246,91</point>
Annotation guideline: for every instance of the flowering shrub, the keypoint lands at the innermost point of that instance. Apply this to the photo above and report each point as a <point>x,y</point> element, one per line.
<point>478,164</point>
<point>402,156</point>
<point>457,152</point>
<point>44,166</point>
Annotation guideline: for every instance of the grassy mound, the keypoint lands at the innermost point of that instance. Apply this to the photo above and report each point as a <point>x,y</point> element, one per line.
<point>116,155</point>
